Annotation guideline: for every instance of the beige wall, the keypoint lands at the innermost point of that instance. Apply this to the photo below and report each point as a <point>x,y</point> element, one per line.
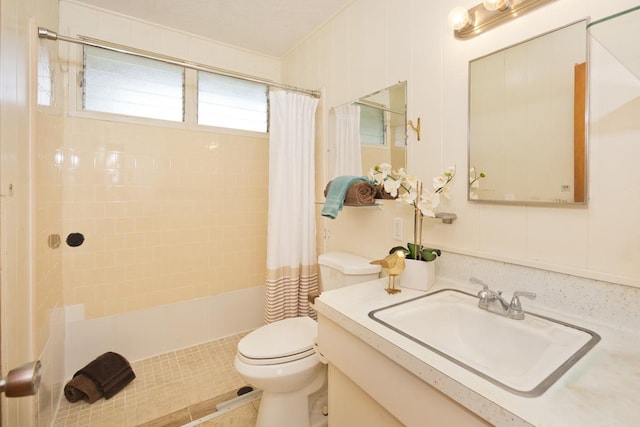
<point>168,215</point>
<point>375,43</point>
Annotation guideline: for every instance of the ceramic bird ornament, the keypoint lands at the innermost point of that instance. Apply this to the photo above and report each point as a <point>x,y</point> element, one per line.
<point>393,265</point>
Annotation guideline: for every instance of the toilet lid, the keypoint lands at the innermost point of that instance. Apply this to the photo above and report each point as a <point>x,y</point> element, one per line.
<point>288,339</point>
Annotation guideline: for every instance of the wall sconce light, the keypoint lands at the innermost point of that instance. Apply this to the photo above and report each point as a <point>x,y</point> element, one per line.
<point>488,14</point>
<point>500,5</point>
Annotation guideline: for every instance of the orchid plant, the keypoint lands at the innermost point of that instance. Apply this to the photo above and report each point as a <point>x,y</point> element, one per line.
<point>425,202</point>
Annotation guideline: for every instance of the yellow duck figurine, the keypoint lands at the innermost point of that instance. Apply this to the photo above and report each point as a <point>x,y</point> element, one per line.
<point>393,265</point>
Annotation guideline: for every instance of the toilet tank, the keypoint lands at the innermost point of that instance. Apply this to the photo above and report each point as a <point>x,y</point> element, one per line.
<point>338,269</point>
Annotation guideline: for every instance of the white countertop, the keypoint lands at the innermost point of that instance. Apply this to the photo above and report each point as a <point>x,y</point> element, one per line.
<point>601,389</point>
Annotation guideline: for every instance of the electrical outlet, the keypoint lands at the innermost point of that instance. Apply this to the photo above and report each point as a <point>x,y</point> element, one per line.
<point>397,229</point>
<point>326,234</point>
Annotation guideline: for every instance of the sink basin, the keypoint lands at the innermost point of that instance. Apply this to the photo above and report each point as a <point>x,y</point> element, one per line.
<point>524,357</point>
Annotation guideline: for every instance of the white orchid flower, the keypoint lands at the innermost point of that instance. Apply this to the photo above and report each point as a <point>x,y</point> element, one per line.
<point>380,173</point>
<point>401,174</point>
<point>409,197</point>
<point>385,168</point>
<point>411,182</point>
<point>391,186</point>
<point>439,182</point>
<point>428,204</point>
<point>404,186</point>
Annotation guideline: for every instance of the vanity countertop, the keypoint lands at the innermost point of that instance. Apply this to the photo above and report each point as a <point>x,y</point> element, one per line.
<point>601,389</point>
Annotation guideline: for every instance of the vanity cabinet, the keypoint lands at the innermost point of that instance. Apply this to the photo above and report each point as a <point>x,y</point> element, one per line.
<point>368,388</point>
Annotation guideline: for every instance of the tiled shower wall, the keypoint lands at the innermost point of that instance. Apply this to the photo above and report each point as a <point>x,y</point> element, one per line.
<point>174,226</point>
<point>173,219</point>
<point>167,215</point>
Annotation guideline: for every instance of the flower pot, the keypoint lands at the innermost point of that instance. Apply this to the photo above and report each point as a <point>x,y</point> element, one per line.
<point>418,274</point>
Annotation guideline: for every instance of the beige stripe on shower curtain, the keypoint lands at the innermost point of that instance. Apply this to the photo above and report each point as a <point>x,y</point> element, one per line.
<point>288,291</point>
<point>291,229</point>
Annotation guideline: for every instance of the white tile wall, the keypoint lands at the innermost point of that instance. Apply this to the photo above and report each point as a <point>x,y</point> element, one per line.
<point>149,332</point>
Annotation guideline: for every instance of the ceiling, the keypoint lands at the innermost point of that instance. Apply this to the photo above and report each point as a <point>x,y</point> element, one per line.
<point>272,27</point>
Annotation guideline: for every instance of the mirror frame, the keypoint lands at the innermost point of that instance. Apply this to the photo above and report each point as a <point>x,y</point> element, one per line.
<point>582,170</point>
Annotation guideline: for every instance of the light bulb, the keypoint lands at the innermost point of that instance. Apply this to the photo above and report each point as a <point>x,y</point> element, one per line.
<point>496,4</point>
<point>459,18</point>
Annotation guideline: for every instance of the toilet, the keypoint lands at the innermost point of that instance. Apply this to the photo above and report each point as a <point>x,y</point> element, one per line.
<point>280,359</point>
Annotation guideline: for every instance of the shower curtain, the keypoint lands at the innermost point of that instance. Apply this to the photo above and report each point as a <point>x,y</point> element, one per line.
<point>292,271</point>
<point>344,145</point>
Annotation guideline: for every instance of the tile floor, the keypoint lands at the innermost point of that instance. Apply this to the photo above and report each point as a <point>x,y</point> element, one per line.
<point>174,389</point>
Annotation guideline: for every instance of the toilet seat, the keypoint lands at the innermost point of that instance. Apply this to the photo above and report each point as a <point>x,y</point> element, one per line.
<point>279,342</point>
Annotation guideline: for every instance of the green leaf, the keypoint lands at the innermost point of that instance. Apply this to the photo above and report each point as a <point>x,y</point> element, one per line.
<point>413,252</point>
<point>428,254</point>
<point>435,251</point>
<point>399,248</point>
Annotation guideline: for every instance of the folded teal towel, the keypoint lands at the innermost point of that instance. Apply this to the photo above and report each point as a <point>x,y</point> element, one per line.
<point>336,192</point>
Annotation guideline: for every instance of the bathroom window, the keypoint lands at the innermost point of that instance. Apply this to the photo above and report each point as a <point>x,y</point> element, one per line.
<point>231,103</point>
<point>132,86</point>
<point>372,125</point>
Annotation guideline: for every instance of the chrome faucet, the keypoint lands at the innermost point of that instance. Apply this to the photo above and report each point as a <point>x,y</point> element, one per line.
<point>493,301</point>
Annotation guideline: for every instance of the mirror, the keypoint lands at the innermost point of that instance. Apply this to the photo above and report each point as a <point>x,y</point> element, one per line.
<point>368,131</point>
<point>527,119</point>
<point>614,33</point>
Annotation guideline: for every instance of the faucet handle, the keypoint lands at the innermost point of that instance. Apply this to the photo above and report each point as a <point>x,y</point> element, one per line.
<point>475,281</point>
<point>483,295</point>
<point>530,295</point>
<point>515,307</point>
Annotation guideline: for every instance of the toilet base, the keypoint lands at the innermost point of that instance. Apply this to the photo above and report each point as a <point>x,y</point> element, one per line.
<point>319,413</point>
<point>293,409</point>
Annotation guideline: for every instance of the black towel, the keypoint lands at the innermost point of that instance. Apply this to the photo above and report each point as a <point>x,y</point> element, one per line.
<point>82,388</point>
<point>108,374</point>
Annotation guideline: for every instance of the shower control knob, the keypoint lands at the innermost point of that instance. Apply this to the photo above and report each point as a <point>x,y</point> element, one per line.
<point>22,381</point>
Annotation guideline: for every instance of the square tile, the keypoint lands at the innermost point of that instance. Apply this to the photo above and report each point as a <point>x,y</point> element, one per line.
<point>171,389</point>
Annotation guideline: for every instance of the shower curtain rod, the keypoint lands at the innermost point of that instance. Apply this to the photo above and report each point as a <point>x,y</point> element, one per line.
<point>379,107</point>
<point>44,33</point>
